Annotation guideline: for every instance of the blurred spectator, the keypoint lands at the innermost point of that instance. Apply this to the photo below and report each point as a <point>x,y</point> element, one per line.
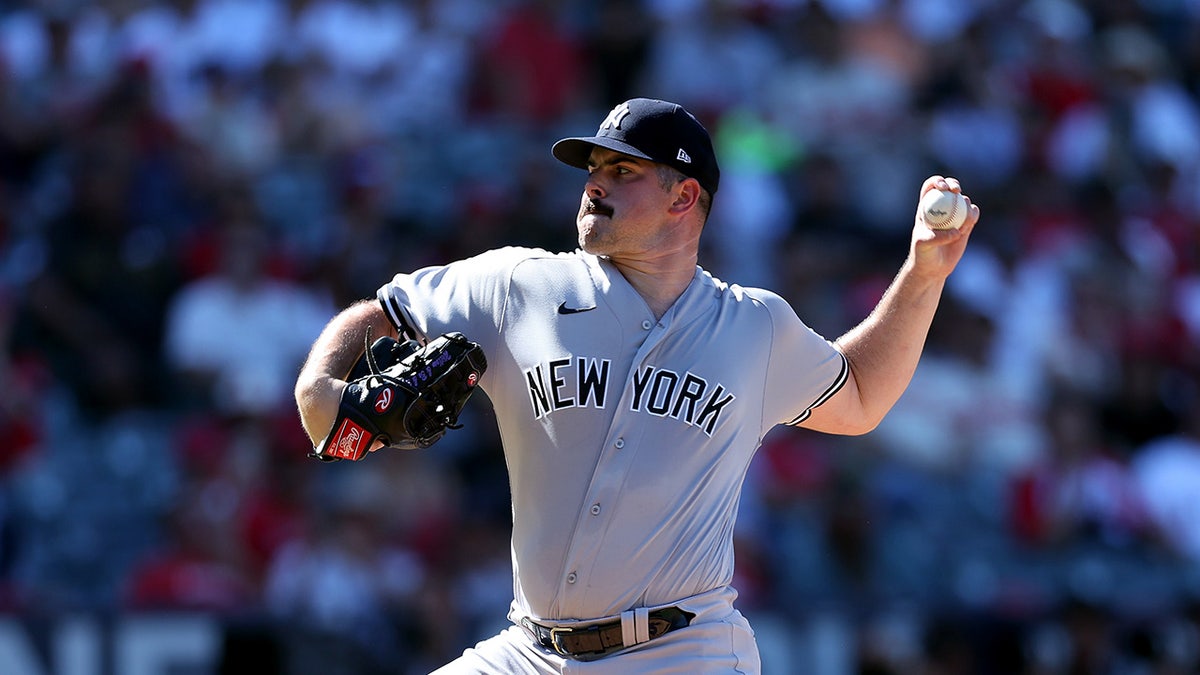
<point>529,68</point>
<point>200,568</point>
<point>94,304</point>
<point>349,573</point>
<point>25,380</point>
<point>424,88</point>
<point>829,260</point>
<point>968,105</point>
<point>830,96</point>
<point>239,35</point>
<point>617,47</point>
<point>365,241</point>
<point>1167,645</point>
<point>231,121</point>
<point>720,39</point>
<point>1077,636</point>
<point>55,56</point>
<point>1164,122</point>
<point>354,39</point>
<point>958,389</point>
<point>273,512</point>
<point>1083,490</point>
<point>754,213</point>
<point>21,427</point>
<point>238,333</point>
<point>1167,470</point>
<point>826,89</point>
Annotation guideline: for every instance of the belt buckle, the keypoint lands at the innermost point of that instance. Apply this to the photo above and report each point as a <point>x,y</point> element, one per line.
<point>555,631</point>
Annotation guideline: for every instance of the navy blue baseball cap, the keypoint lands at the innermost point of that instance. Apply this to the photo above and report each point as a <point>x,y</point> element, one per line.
<point>659,131</point>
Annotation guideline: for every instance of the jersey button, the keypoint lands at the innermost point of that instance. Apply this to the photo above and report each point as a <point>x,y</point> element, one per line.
<point>647,324</point>
<point>619,443</point>
<point>595,509</point>
<point>571,578</point>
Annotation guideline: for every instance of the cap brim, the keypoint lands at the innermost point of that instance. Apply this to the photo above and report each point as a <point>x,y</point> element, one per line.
<point>575,151</point>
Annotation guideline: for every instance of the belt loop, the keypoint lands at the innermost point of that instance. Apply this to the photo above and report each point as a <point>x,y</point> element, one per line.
<point>641,624</point>
<point>628,632</point>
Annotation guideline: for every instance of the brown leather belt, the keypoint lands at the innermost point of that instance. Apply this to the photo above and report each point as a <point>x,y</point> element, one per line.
<point>602,638</point>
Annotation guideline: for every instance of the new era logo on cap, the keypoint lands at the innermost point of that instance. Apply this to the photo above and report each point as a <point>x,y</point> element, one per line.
<point>659,131</point>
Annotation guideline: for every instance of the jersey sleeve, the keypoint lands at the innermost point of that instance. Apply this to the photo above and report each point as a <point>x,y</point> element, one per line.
<point>466,296</point>
<point>803,368</point>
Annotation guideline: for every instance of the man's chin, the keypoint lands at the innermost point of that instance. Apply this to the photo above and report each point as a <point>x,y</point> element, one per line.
<point>589,244</point>
<point>588,226</point>
<point>586,245</point>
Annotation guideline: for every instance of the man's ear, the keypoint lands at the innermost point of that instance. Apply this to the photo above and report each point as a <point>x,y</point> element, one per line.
<point>687,195</point>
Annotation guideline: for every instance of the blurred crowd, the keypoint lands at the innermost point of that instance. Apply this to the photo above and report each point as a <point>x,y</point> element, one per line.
<point>189,189</point>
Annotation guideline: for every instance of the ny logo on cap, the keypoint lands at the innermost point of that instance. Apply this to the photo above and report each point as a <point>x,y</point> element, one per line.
<point>615,117</point>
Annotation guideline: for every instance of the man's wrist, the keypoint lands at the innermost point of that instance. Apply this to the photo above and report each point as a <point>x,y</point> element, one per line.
<point>319,407</point>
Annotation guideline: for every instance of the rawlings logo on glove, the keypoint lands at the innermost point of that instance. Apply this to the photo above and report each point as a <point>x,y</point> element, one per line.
<point>408,404</point>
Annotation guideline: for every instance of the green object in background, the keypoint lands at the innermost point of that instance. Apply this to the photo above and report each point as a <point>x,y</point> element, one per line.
<point>747,142</point>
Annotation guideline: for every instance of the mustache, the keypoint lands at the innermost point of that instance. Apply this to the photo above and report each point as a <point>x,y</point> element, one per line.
<point>595,206</point>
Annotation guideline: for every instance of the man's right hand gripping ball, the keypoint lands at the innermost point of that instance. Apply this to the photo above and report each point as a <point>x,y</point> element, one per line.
<point>408,403</point>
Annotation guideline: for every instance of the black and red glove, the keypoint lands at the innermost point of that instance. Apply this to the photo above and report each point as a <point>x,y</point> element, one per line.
<point>410,402</point>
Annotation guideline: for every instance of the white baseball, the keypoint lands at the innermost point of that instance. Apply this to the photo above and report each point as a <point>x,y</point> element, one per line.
<point>943,210</point>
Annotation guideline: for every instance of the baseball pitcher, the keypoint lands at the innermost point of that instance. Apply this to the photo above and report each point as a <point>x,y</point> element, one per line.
<point>631,389</point>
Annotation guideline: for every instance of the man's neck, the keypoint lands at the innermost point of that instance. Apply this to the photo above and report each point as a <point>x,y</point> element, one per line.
<point>660,285</point>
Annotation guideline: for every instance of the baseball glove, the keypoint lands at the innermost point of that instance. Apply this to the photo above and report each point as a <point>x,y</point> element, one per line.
<point>410,402</point>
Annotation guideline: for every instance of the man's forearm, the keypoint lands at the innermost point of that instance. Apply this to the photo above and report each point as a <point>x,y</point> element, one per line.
<point>322,378</point>
<point>884,349</point>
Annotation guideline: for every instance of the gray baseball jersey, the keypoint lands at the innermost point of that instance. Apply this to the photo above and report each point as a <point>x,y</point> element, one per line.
<point>627,437</point>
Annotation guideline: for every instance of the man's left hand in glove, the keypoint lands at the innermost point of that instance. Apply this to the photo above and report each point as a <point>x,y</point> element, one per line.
<point>403,395</point>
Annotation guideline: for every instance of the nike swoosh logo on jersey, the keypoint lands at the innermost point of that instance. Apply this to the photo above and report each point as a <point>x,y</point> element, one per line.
<point>563,309</point>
